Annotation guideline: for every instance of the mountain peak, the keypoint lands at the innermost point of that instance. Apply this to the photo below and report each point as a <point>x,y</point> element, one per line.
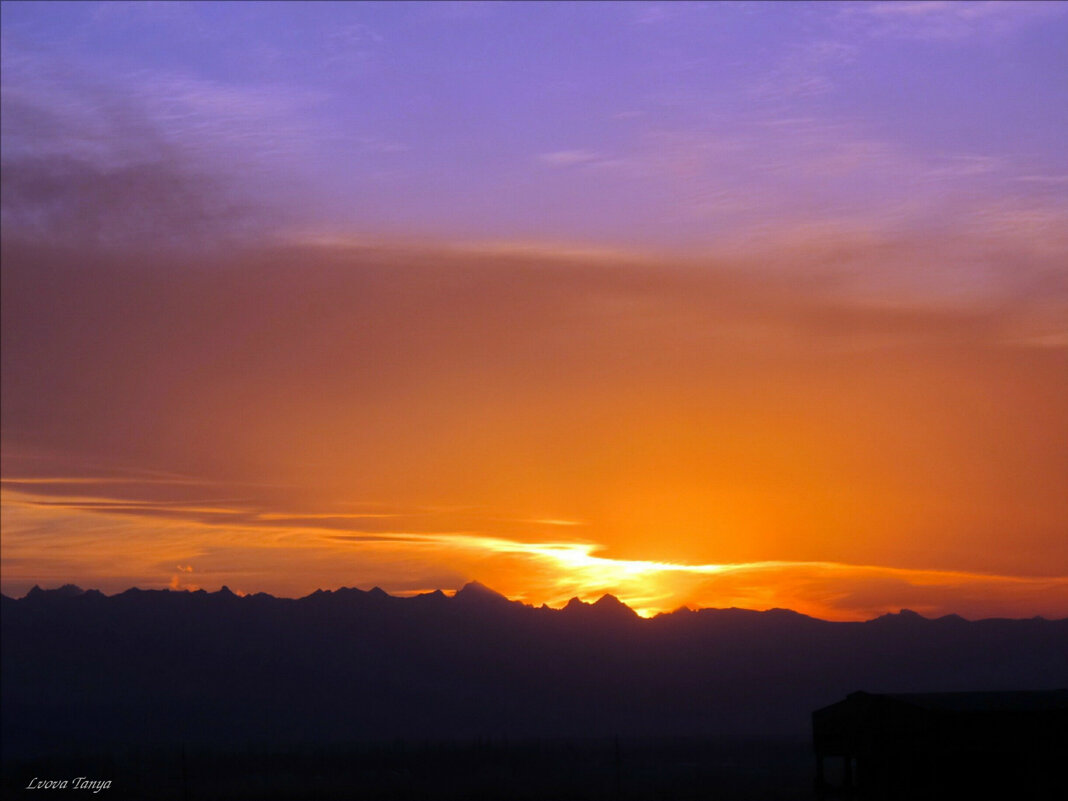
<point>66,591</point>
<point>908,614</point>
<point>607,606</point>
<point>610,604</point>
<point>952,618</point>
<point>435,594</point>
<point>476,591</point>
<point>903,615</point>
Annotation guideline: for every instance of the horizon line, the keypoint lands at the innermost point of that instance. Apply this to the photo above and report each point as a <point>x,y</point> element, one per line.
<point>477,586</point>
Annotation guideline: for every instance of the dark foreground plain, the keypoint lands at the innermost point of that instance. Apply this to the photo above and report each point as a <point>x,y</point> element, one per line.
<point>359,695</point>
<point>489,769</point>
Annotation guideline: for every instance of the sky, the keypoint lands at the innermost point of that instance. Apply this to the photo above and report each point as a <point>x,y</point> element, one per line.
<point>732,304</point>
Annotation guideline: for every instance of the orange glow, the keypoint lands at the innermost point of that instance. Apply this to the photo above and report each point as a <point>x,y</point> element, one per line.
<point>693,435</point>
<point>295,560</point>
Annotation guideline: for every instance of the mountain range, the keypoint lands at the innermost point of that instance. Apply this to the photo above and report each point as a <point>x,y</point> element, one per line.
<point>81,669</point>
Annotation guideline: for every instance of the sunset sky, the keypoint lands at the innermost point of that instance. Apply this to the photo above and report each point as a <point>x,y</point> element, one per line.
<point>733,304</point>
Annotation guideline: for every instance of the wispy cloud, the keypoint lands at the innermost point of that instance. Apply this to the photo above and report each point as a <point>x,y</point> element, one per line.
<point>146,155</point>
<point>948,21</point>
<point>807,70</point>
<point>535,571</point>
<point>73,108</point>
<point>569,158</point>
<point>1054,180</point>
<point>650,13</point>
<point>353,47</point>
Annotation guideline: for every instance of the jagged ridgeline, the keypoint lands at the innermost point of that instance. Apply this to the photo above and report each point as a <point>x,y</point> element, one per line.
<point>83,669</point>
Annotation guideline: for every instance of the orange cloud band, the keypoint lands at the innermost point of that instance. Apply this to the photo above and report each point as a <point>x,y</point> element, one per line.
<point>113,545</point>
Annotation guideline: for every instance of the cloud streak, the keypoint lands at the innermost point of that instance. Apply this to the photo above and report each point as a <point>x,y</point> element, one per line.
<point>536,571</point>
<point>948,21</point>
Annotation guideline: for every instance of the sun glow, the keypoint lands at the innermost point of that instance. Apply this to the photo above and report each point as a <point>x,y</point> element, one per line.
<point>113,543</point>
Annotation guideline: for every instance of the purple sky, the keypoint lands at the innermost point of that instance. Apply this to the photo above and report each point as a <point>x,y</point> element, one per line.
<point>664,127</point>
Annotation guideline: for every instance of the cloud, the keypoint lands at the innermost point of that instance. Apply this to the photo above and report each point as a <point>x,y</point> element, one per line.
<point>353,46</point>
<point>535,571</point>
<point>753,179</point>
<point>62,106</point>
<point>140,11</point>
<point>650,14</point>
<point>1044,179</point>
<point>653,14</point>
<point>161,203</point>
<point>947,21</point>
<point>805,71</point>
<point>146,157</point>
<point>568,158</point>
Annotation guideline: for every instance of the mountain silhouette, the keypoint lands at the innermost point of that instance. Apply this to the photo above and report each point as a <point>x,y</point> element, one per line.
<point>605,610</point>
<point>84,669</point>
<point>476,593</point>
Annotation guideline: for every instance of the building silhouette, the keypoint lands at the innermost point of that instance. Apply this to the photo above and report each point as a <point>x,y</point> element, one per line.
<point>1011,745</point>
